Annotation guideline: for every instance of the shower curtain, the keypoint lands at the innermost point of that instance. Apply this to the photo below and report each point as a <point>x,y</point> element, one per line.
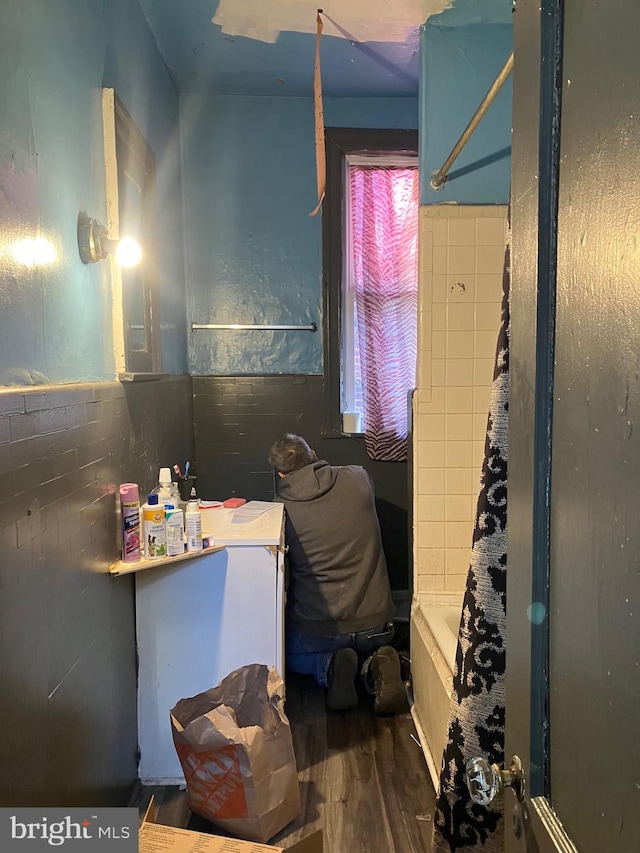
<point>477,710</point>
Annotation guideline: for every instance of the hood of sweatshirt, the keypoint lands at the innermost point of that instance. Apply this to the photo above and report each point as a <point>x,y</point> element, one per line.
<point>308,483</point>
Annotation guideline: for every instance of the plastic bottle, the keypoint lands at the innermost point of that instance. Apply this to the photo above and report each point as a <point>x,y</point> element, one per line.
<point>193,524</point>
<point>166,489</point>
<point>175,530</point>
<point>153,528</point>
<point>130,513</point>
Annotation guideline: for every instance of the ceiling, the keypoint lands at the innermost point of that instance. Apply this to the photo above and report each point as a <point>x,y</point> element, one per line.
<point>266,47</point>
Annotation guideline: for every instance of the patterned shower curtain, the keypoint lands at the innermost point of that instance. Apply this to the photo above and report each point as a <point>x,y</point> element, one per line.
<point>477,711</point>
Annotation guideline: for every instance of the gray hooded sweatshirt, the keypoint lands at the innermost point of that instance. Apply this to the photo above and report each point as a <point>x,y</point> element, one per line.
<point>338,580</point>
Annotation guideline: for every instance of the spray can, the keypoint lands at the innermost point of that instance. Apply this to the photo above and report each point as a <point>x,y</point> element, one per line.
<point>175,530</point>
<point>193,524</point>
<point>153,528</point>
<point>130,514</point>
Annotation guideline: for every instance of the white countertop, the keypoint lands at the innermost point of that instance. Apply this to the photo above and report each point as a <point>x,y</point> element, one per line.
<point>229,527</point>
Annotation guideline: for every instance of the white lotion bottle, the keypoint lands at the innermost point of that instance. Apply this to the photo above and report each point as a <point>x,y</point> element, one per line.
<point>175,530</point>
<point>193,524</point>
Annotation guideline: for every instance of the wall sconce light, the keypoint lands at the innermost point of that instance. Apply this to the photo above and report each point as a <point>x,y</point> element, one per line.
<point>94,244</point>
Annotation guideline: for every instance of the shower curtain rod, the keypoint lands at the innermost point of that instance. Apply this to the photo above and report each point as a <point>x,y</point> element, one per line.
<point>439,178</point>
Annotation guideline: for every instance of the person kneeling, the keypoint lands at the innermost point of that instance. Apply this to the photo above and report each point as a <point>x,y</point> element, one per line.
<point>339,618</point>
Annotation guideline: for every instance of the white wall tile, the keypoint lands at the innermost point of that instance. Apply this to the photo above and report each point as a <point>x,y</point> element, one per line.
<point>479,426</point>
<point>457,534</point>
<point>491,232</point>
<point>478,454</point>
<point>424,368</point>
<point>440,288</point>
<point>438,345</point>
<point>459,371</point>
<point>462,259</point>
<point>457,560</point>
<point>462,232</point>
<point>432,560</point>
<point>456,507</point>
<point>431,534</point>
<point>431,481</point>
<point>458,481</point>
<point>432,427</point>
<point>462,252</point>
<point>459,345</point>
<point>440,232</point>
<point>460,288</point>
<point>459,401</point>
<point>432,583</point>
<point>489,259</point>
<point>458,454</point>
<point>488,287</point>
<point>481,399</point>
<point>487,316</point>
<point>460,317</point>
<point>439,317</point>
<point>431,508</point>
<point>430,454</point>
<point>458,427</point>
<point>483,370</point>
<point>453,583</point>
<point>438,372</point>
<point>439,265</point>
<point>484,345</point>
<point>433,406</point>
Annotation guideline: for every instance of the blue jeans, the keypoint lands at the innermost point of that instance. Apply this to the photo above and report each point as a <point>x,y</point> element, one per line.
<point>311,655</point>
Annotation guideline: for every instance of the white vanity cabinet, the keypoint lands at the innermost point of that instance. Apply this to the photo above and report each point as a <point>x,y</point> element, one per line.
<point>201,618</point>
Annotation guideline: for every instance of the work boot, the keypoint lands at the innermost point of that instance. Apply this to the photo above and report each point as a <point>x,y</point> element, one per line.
<point>390,692</point>
<point>342,693</point>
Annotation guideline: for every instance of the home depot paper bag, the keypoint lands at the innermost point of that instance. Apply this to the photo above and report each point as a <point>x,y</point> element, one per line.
<point>234,744</point>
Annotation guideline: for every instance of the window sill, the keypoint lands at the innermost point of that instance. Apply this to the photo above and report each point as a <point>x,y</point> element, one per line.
<point>141,377</point>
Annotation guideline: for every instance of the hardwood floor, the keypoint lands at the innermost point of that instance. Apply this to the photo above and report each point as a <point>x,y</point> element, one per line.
<point>363,780</point>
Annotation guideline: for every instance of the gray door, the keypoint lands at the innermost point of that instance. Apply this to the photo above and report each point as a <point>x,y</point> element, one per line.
<point>573,659</point>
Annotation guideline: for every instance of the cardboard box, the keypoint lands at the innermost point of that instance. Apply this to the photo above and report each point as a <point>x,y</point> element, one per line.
<point>157,838</point>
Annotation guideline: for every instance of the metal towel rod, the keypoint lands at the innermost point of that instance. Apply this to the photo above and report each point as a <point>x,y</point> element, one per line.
<point>439,178</point>
<point>312,327</point>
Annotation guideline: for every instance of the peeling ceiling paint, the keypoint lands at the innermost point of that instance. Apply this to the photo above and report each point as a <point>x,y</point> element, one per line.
<point>361,20</point>
<point>370,48</point>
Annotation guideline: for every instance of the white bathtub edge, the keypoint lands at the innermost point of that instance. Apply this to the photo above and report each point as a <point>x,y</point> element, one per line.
<point>426,751</point>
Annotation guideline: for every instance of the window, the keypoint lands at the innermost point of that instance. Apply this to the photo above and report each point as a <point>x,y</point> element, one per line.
<point>131,211</point>
<point>370,231</point>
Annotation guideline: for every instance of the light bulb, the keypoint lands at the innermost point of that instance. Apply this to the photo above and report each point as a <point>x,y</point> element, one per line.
<point>128,253</point>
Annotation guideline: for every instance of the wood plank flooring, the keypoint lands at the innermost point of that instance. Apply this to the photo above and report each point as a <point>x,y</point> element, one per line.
<point>363,780</point>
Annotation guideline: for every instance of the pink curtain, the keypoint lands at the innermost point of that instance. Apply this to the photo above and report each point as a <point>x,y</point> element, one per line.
<point>384,230</point>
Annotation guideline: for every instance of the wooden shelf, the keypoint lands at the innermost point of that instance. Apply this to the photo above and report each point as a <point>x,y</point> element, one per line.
<point>120,568</point>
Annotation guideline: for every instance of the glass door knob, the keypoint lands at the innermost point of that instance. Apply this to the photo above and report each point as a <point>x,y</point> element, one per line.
<point>486,780</point>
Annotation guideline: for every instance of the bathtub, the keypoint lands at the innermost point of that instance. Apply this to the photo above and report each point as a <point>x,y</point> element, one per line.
<point>435,619</point>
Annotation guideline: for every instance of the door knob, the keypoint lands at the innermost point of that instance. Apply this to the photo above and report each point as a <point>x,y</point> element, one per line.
<point>485,780</point>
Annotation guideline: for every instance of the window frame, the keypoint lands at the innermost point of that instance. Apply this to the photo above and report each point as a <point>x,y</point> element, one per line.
<point>339,144</point>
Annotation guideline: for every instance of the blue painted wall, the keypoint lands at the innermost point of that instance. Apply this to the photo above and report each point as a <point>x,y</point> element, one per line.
<point>55,321</point>
<point>459,65</point>
<point>253,253</point>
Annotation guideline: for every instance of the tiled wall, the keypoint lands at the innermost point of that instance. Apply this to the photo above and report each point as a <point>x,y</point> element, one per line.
<point>67,630</point>
<point>461,262</point>
<point>237,418</point>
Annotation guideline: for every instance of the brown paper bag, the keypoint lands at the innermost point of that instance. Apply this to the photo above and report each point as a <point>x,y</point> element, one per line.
<point>234,744</point>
